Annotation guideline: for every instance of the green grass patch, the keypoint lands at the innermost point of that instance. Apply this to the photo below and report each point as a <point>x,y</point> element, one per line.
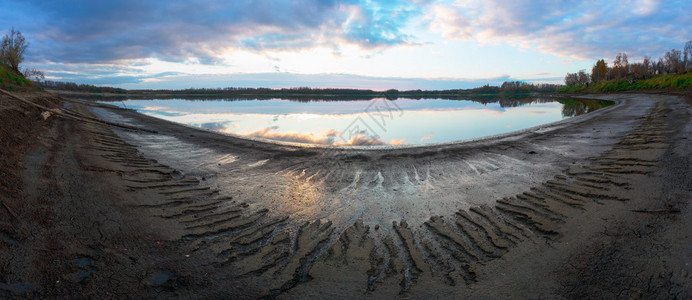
<point>668,81</point>
<point>9,78</point>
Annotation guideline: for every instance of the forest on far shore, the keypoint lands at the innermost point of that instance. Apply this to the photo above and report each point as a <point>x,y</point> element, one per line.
<point>670,71</point>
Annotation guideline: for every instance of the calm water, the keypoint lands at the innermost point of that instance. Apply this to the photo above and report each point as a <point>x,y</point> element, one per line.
<point>366,122</point>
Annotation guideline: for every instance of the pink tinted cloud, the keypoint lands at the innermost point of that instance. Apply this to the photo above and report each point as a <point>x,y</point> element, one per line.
<point>427,137</point>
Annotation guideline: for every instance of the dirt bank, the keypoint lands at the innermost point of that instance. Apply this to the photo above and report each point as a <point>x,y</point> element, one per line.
<point>596,206</point>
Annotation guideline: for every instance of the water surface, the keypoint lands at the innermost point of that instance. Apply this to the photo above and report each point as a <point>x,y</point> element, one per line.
<point>363,122</point>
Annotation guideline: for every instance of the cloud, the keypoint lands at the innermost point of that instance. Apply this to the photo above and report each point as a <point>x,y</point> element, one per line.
<point>374,27</point>
<point>578,29</point>
<point>397,142</point>
<point>110,41</point>
<point>133,78</point>
<point>287,80</point>
<point>450,23</point>
<point>646,7</point>
<point>156,108</point>
<point>331,133</point>
<point>328,137</point>
<point>112,31</point>
<point>214,126</point>
<point>296,137</point>
<point>361,140</point>
<point>427,137</point>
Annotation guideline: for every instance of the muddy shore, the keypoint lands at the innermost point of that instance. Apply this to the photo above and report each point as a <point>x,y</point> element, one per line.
<point>593,207</point>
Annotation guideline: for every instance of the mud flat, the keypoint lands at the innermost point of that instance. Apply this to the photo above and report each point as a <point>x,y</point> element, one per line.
<point>594,206</point>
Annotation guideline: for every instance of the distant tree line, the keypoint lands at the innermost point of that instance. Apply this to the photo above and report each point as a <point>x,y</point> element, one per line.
<point>503,100</point>
<point>674,61</point>
<point>301,92</point>
<point>515,87</point>
<point>73,87</point>
<point>530,87</point>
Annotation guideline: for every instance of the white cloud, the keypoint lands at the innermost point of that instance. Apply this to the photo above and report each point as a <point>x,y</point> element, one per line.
<point>450,23</point>
<point>646,7</point>
<point>577,29</point>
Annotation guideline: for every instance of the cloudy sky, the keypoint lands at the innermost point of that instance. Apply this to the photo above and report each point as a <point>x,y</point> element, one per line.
<point>403,44</point>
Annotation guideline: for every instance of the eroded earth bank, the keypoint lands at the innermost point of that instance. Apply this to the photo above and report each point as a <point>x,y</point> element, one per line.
<point>594,206</point>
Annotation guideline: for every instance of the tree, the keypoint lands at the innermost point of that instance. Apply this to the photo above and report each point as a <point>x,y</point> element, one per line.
<point>599,71</point>
<point>674,61</point>
<point>638,70</point>
<point>33,74</point>
<point>660,66</point>
<point>571,79</point>
<point>646,63</point>
<point>688,55</point>
<point>12,50</point>
<point>620,65</point>
<point>582,77</point>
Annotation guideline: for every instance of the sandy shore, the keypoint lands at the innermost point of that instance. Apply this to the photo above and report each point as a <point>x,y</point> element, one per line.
<point>595,206</point>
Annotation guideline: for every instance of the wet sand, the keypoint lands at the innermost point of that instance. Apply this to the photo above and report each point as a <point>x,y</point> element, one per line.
<point>593,206</point>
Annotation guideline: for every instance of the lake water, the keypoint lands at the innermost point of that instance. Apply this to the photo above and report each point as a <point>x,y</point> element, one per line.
<point>363,122</point>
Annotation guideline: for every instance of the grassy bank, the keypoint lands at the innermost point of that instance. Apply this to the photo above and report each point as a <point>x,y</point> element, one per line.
<point>10,80</point>
<point>663,82</point>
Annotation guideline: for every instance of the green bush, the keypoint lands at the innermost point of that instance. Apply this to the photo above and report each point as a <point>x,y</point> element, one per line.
<point>669,81</point>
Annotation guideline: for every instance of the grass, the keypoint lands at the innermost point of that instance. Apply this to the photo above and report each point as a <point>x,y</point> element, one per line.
<point>669,81</point>
<point>10,80</point>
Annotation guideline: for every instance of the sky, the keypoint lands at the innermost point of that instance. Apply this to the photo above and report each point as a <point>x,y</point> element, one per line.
<point>402,44</point>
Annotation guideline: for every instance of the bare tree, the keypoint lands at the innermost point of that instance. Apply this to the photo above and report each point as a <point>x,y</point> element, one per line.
<point>661,66</point>
<point>674,61</point>
<point>646,63</point>
<point>33,74</point>
<point>12,50</point>
<point>688,55</point>
<point>620,65</point>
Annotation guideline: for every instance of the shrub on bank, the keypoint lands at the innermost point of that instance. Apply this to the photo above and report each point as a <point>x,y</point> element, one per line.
<point>669,81</point>
<point>10,80</point>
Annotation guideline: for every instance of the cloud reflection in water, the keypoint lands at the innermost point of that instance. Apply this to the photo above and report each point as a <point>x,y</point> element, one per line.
<point>327,122</point>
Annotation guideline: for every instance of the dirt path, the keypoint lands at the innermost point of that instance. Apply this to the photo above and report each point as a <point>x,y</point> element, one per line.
<point>592,207</point>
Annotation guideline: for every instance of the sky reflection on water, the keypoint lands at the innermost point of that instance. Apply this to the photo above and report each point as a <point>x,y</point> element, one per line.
<point>367,122</point>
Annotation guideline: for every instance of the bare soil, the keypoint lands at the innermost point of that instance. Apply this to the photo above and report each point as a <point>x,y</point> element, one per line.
<point>593,207</point>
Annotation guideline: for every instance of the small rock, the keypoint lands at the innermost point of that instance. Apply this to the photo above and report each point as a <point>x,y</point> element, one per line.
<point>377,226</point>
<point>532,152</point>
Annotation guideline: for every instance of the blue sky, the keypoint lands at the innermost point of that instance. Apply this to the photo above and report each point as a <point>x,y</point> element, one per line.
<point>403,44</point>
